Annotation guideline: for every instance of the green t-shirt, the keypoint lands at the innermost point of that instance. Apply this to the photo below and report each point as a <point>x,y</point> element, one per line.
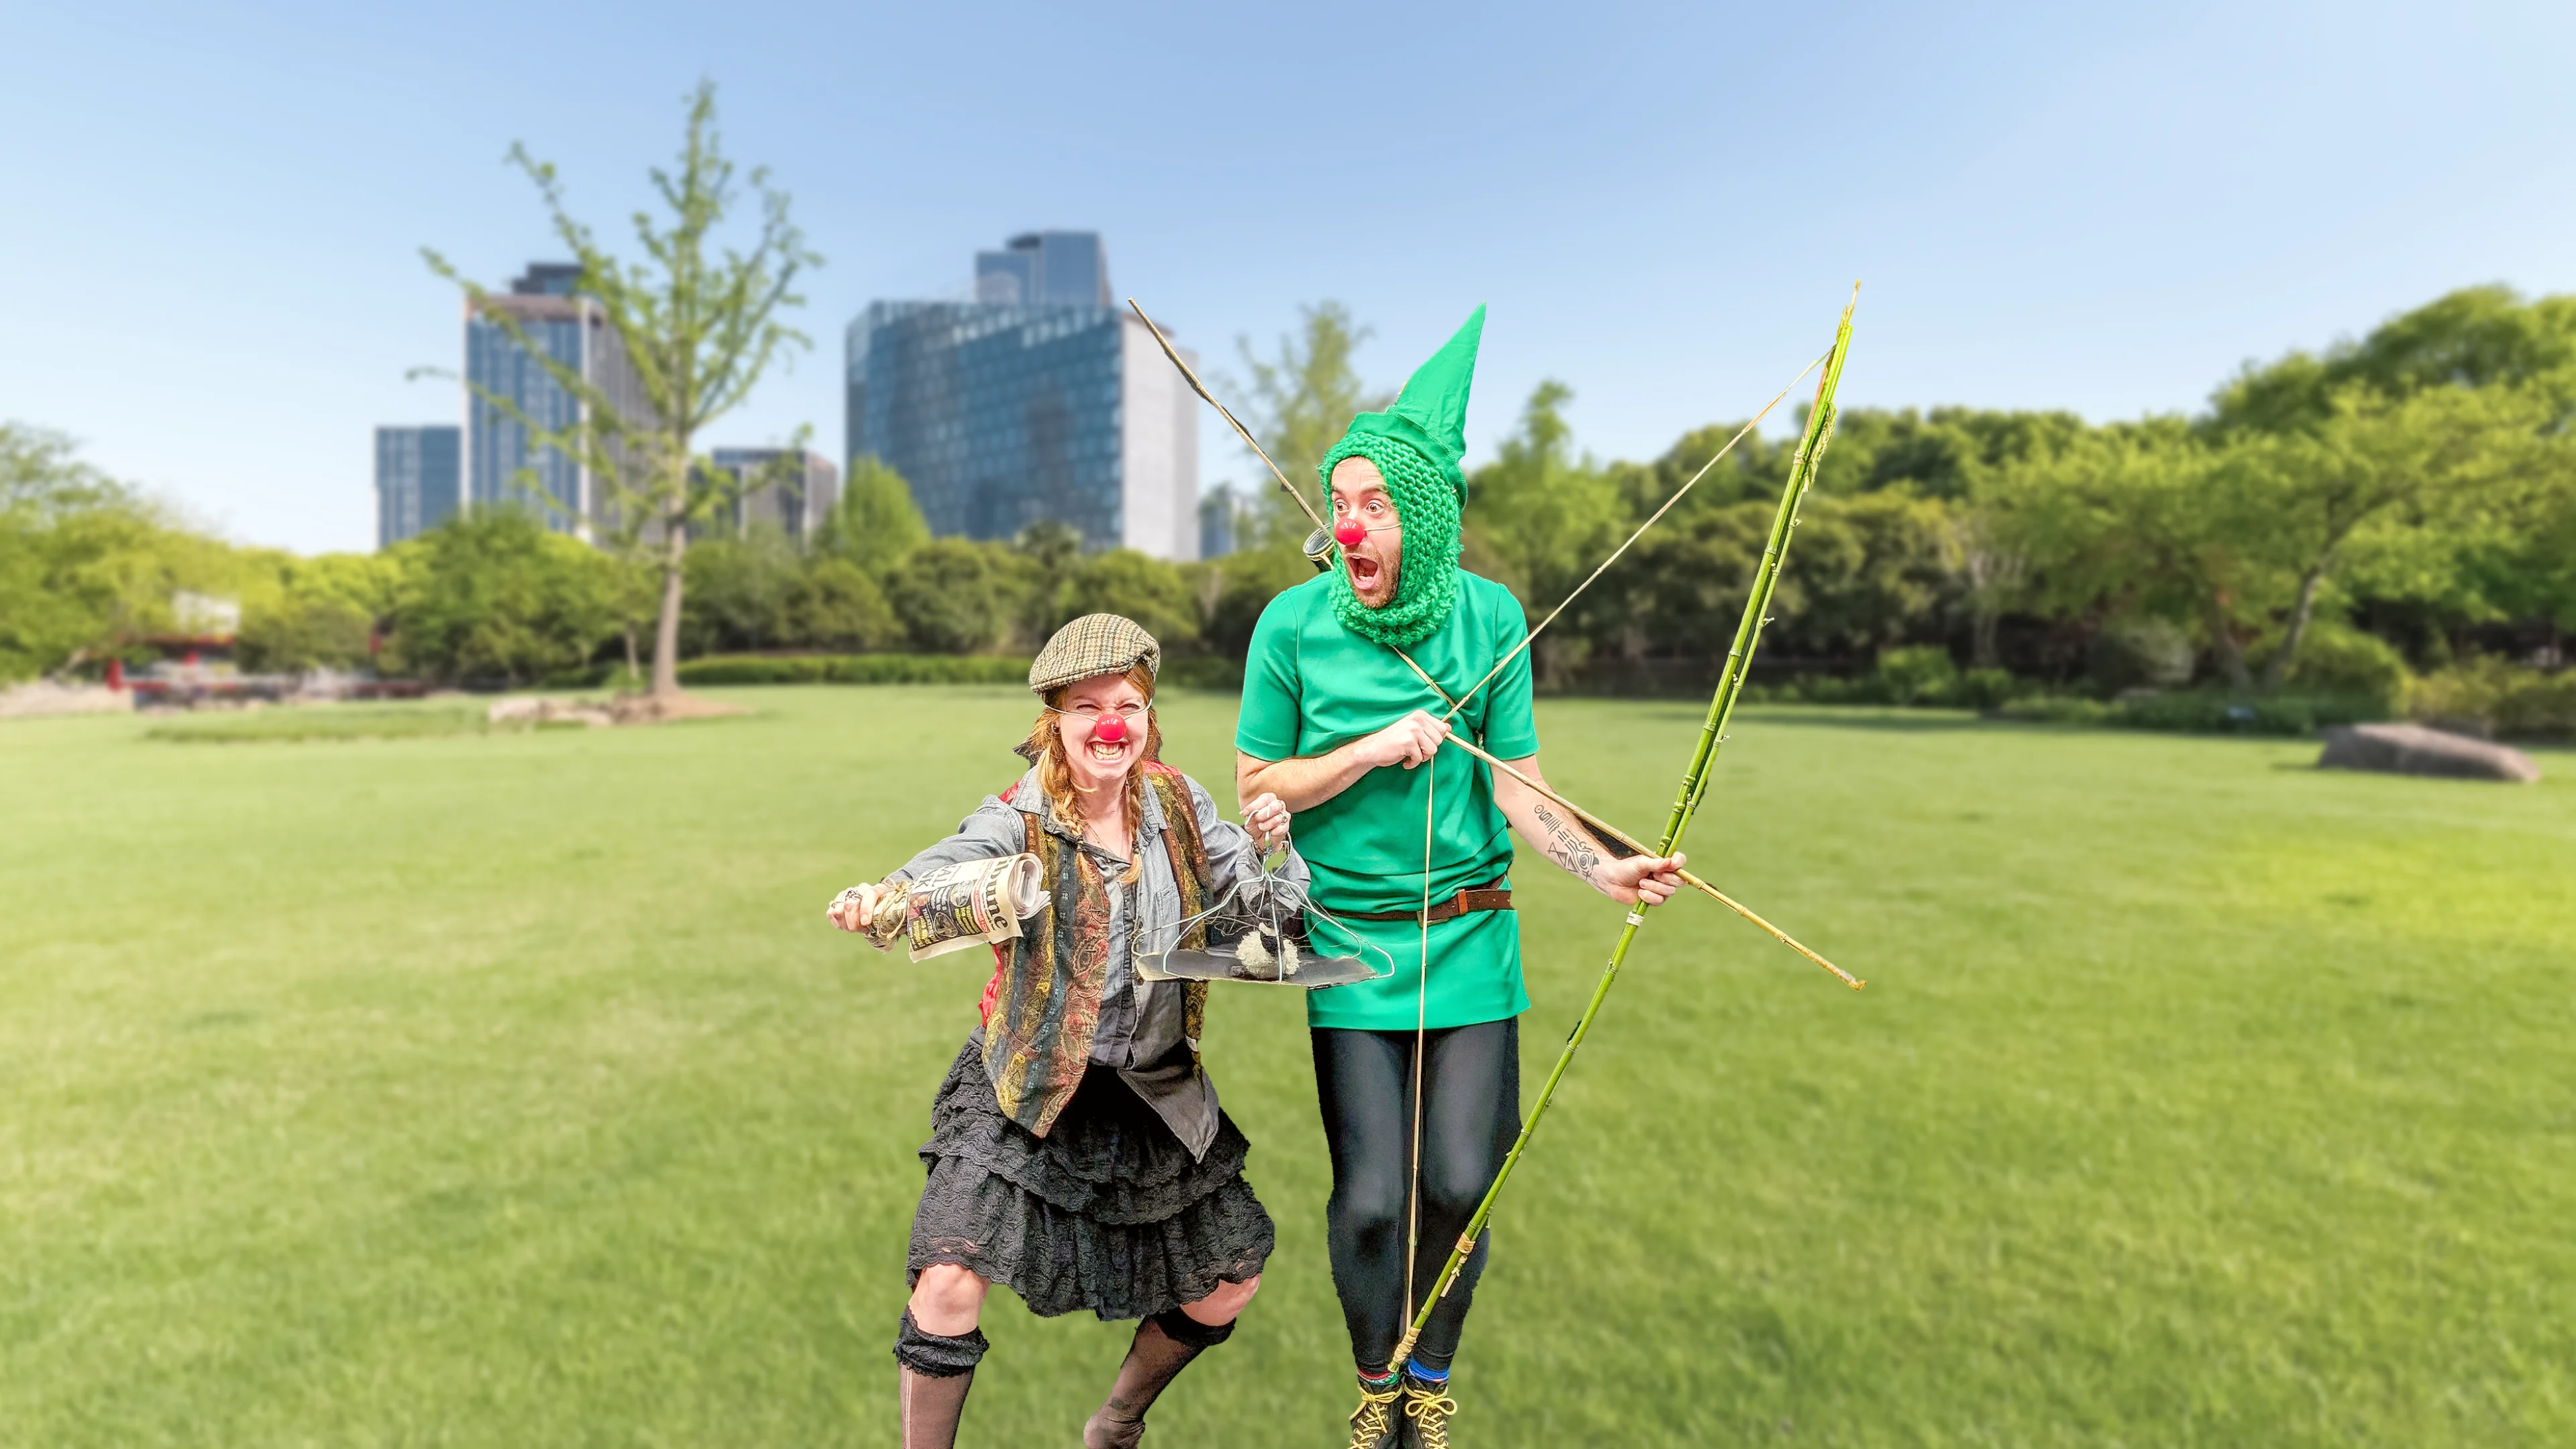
<point>1311,686</point>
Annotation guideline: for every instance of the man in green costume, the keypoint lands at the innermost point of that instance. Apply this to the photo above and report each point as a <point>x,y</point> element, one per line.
<point>1339,721</point>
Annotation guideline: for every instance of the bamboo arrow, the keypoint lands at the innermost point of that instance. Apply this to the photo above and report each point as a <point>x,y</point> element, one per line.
<point>1639,846</point>
<point>1730,684</point>
<point>1240,430</point>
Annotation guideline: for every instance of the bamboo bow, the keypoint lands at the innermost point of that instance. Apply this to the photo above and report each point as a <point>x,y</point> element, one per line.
<point>1730,684</point>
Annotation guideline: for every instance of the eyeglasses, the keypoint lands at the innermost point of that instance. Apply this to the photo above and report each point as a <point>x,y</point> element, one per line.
<point>1128,712</point>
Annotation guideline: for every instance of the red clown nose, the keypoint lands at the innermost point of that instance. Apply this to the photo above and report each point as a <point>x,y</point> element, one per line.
<point>1348,533</point>
<point>1109,729</point>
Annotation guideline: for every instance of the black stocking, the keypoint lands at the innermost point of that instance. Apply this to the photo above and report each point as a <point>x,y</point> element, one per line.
<point>1164,1345</point>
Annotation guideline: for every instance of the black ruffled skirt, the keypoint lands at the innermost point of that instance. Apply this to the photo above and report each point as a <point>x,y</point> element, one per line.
<point>1107,1212</point>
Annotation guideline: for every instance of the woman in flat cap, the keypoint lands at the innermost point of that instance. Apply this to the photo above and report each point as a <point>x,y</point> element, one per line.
<point>1077,1154</point>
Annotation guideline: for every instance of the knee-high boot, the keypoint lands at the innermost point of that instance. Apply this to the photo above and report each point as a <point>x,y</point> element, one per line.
<point>1164,1345</point>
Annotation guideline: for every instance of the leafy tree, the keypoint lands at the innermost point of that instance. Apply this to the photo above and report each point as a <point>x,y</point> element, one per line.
<point>86,563</point>
<point>491,595</point>
<point>301,632</point>
<point>1870,574</point>
<point>2130,521</point>
<point>1304,397</point>
<point>952,594</point>
<point>1945,453</point>
<point>59,521</point>
<point>1239,586</point>
<point>320,613</point>
<point>2313,488</point>
<point>1538,521</point>
<point>740,592</point>
<point>2473,338</point>
<point>699,331</point>
<point>837,606</point>
<point>1048,554</point>
<point>1147,590</point>
<point>876,522</point>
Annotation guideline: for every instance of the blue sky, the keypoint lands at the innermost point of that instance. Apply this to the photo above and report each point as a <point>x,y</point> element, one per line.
<point>209,232</point>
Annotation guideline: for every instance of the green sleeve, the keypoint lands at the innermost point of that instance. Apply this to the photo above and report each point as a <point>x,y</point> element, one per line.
<point>1511,732</point>
<point>1266,723</point>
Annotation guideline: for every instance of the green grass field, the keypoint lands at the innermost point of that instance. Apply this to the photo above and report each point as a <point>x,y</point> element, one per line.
<point>510,1089</point>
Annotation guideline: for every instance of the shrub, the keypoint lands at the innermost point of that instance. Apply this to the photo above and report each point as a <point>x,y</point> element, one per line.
<point>2215,711</point>
<point>298,631</point>
<point>1147,590</point>
<point>1247,580</point>
<point>2336,658</point>
<point>2201,711</point>
<point>2139,653</point>
<point>951,595</point>
<point>2505,698</point>
<point>837,607</point>
<point>1987,689</point>
<point>1203,671</point>
<point>1917,674</point>
<point>2057,709</point>
<point>492,595</point>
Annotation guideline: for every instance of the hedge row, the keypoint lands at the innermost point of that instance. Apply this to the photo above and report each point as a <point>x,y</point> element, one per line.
<point>2203,711</point>
<point>855,669</point>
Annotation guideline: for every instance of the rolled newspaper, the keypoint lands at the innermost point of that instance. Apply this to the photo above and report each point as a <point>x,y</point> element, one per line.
<point>971,903</point>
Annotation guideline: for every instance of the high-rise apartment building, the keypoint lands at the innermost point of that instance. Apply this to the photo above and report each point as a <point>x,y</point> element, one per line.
<point>418,471</point>
<point>505,463</point>
<point>1037,401</point>
<point>795,491</point>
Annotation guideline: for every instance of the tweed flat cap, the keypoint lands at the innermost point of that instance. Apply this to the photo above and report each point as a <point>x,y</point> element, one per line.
<point>1092,645</point>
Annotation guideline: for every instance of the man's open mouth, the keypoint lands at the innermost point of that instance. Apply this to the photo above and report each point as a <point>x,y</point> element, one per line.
<point>1363,570</point>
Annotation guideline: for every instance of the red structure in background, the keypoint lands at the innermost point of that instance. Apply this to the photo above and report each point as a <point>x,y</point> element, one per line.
<point>193,665</point>
<point>191,668</point>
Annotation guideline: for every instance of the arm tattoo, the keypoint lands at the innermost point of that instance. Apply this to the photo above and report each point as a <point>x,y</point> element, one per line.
<point>1566,847</point>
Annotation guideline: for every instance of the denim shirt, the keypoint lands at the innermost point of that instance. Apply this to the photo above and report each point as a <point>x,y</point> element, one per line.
<point>1141,1031</point>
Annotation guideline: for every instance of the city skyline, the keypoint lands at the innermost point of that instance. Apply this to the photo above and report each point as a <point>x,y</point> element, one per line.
<point>2101,211</point>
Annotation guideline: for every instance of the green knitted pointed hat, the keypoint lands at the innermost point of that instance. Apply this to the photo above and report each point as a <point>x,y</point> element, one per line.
<point>1416,445</point>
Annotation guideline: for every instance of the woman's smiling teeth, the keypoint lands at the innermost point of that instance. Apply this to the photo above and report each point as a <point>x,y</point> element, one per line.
<point>1106,753</point>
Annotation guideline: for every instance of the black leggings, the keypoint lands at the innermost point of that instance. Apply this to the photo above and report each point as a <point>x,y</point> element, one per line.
<point>1471,1084</point>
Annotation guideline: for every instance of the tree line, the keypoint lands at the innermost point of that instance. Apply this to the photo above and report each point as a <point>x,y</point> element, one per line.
<point>2390,518</point>
<point>2346,520</point>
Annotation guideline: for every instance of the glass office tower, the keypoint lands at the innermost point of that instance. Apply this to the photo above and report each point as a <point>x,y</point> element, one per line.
<point>1005,411</point>
<point>506,462</point>
<point>1045,269</point>
<point>418,471</point>
<point>795,491</point>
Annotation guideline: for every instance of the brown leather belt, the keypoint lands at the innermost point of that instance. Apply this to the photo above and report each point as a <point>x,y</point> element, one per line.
<point>1490,897</point>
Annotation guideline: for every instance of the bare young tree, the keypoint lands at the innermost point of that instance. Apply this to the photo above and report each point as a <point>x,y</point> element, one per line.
<point>1302,399</point>
<point>699,324</point>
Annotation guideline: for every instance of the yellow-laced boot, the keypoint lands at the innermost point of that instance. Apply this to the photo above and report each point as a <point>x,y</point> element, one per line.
<point>1373,1422</point>
<point>1427,1407</point>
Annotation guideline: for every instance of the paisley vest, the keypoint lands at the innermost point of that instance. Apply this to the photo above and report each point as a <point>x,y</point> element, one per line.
<point>1042,1007</point>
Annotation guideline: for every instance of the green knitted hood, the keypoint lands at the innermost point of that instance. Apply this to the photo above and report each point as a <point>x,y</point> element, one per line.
<point>1416,445</point>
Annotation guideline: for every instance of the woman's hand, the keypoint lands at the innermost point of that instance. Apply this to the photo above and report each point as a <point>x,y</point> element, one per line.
<point>1267,819</point>
<point>855,909</point>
